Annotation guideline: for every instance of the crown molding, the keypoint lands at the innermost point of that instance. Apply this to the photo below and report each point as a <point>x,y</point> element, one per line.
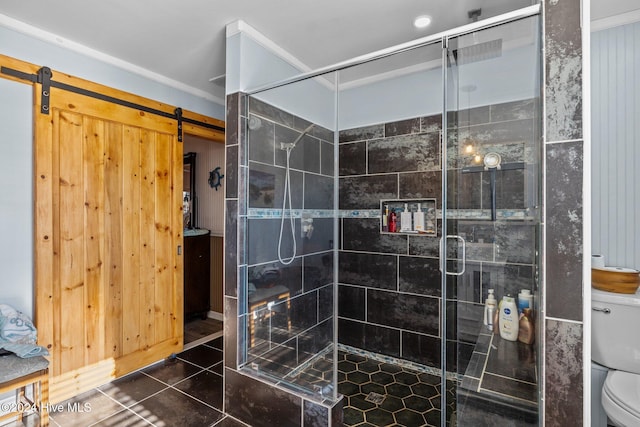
<point>615,20</point>
<point>37,33</point>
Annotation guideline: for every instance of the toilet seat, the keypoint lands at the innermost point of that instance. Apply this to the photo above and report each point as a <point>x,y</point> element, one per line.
<point>621,398</point>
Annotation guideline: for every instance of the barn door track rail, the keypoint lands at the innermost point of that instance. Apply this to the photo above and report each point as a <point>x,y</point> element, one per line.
<point>44,77</point>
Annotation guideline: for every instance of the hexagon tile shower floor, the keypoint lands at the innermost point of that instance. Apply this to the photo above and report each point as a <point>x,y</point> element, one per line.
<point>382,394</point>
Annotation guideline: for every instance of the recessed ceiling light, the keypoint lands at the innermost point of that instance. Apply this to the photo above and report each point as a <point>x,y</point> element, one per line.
<point>422,21</point>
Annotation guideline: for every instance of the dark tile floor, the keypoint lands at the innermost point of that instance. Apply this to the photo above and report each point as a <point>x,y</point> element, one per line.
<point>381,394</point>
<point>183,391</point>
<point>188,391</point>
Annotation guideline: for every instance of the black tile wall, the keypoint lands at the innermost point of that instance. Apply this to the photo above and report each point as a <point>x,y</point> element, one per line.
<point>419,275</point>
<point>564,229</point>
<point>368,269</point>
<point>405,153</point>
<point>266,186</point>
<point>315,340</point>
<point>261,142</point>
<point>231,174</point>
<point>409,312</point>
<point>391,284</point>
<point>306,154</point>
<point>317,270</point>
<point>351,302</point>
<point>231,247</point>
<point>310,189</point>
<point>563,65</point>
<point>304,311</point>
<point>315,415</point>
<point>378,339</point>
<point>230,332</point>
<point>259,404</point>
<point>361,133</point>
<point>303,326</point>
<point>327,158</point>
<point>419,185</point>
<point>318,192</point>
<point>270,112</point>
<point>325,302</point>
<point>262,240</point>
<point>563,372</point>
<point>353,158</point>
<point>363,234</point>
<point>563,87</point>
<point>421,349</point>
<point>514,110</point>
<point>365,192</point>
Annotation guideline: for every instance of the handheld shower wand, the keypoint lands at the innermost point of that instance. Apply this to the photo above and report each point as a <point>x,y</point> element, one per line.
<point>288,147</point>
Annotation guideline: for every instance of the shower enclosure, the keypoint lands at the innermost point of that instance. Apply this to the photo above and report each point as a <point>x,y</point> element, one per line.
<point>334,301</point>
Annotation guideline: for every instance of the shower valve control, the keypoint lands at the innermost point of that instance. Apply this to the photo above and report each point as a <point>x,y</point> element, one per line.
<point>307,226</point>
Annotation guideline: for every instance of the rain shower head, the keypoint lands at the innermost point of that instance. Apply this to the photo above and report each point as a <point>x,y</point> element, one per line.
<point>478,52</point>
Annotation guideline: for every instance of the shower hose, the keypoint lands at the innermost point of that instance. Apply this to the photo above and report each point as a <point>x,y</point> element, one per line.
<point>287,196</point>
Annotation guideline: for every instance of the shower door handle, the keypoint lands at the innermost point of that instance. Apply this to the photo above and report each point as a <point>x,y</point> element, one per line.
<point>464,255</point>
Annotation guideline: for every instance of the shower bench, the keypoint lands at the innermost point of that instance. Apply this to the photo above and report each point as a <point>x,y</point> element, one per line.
<point>503,375</point>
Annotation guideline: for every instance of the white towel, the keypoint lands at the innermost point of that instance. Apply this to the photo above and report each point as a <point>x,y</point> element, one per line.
<point>18,334</point>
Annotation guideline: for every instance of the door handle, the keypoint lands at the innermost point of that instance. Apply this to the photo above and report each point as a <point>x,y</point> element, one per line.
<point>602,310</point>
<point>464,255</point>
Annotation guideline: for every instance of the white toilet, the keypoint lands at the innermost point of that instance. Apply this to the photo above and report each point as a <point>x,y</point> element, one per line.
<point>615,320</point>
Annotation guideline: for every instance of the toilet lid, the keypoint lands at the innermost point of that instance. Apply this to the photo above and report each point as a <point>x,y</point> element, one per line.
<point>624,389</point>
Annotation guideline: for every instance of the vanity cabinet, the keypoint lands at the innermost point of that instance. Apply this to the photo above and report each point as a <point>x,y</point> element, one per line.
<point>197,271</point>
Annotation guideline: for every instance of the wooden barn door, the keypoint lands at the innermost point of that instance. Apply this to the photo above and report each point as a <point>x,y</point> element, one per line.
<point>108,231</point>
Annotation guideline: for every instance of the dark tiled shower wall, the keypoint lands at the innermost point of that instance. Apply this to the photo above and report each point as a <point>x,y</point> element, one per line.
<point>389,285</point>
<point>564,214</point>
<point>255,167</point>
<point>309,277</point>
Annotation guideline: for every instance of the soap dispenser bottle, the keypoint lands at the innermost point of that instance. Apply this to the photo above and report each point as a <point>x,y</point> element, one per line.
<point>418,219</point>
<point>405,219</point>
<point>508,319</point>
<point>385,218</point>
<point>490,306</point>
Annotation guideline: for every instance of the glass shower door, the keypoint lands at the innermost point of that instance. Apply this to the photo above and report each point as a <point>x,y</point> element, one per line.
<point>288,271</point>
<point>491,223</point>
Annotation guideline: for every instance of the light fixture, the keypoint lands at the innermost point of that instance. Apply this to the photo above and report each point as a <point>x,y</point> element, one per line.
<point>422,21</point>
<point>468,148</point>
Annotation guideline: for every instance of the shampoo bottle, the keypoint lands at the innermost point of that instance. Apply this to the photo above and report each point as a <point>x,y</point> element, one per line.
<point>385,218</point>
<point>405,219</point>
<point>489,310</point>
<point>508,319</point>
<point>418,219</point>
<point>393,221</point>
<point>525,300</point>
<point>496,318</point>
<point>526,331</point>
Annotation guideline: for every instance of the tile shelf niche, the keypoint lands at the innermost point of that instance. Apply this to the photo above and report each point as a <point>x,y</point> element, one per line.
<point>427,206</point>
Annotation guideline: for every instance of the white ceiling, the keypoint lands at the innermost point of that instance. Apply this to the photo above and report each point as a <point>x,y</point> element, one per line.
<point>185,40</point>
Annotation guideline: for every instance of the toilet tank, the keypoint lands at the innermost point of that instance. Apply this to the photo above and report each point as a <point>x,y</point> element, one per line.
<point>615,320</point>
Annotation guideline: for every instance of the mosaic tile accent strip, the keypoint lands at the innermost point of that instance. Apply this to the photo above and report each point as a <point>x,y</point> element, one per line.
<point>469,214</point>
